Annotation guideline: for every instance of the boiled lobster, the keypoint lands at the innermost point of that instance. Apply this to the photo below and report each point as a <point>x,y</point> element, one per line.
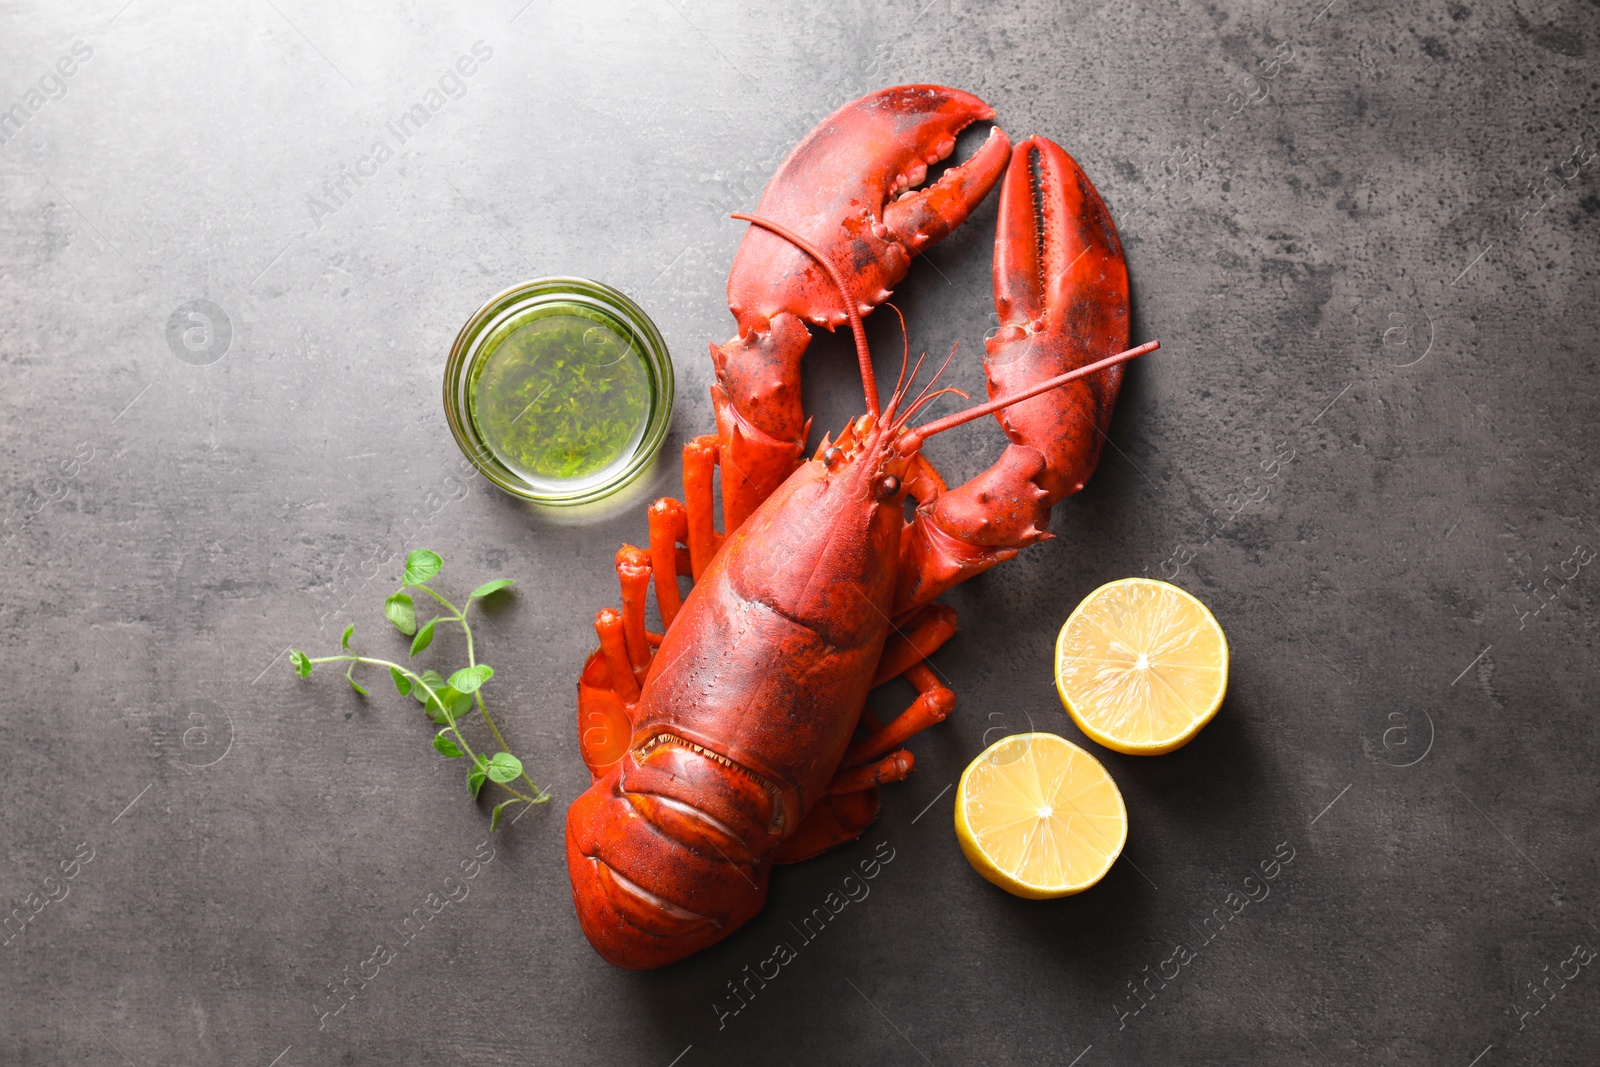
<point>738,738</point>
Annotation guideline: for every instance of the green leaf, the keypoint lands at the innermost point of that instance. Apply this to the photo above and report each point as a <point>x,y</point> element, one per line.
<point>435,705</point>
<point>468,679</point>
<point>504,767</point>
<point>344,642</point>
<point>475,777</point>
<point>433,680</point>
<point>422,565</point>
<point>446,746</point>
<point>494,820</point>
<point>492,587</point>
<point>401,682</point>
<point>300,662</point>
<point>402,612</point>
<point>457,703</point>
<point>355,685</point>
<point>430,704</point>
<point>424,636</point>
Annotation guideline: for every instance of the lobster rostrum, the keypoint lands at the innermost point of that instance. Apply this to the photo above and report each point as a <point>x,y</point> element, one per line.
<point>739,737</point>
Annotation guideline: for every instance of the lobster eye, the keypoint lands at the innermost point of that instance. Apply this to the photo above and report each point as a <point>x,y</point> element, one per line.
<point>831,456</point>
<point>888,486</point>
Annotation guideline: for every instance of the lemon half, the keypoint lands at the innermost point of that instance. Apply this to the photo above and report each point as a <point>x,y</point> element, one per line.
<point>1141,666</point>
<point>1039,817</point>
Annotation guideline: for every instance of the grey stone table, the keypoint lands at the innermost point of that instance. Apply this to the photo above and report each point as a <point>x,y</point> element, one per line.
<point>1364,233</point>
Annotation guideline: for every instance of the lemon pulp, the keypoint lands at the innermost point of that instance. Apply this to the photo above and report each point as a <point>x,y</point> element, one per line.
<point>1039,817</point>
<point>1141,666</point>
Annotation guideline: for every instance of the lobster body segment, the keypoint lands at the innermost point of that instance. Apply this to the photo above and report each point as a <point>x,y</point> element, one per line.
<point>738,739</point>
<point>791,614</point>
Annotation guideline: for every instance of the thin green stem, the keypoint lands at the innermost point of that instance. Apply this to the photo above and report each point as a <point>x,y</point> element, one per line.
<point>457,615</point>
<point>454,610</point>
<point>450,720</point>
<point>460,616</point>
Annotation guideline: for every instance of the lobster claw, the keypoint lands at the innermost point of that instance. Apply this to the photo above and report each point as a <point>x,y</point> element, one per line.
<point>847,188</point>
<point>1061,294</point>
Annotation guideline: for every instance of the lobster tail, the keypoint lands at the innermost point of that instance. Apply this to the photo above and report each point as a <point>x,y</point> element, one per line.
<point>669,853</point>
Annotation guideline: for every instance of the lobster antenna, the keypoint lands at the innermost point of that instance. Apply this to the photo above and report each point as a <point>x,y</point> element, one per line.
<point>917,403</point>
<point>914,372</point>
<point>869,383</point>
<point>931,397</point>
<point>910,442</point>
<point>905,358</point>
<point>899,395</point>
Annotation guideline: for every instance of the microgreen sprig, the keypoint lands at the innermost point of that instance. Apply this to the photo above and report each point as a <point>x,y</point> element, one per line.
<point>449,702</point>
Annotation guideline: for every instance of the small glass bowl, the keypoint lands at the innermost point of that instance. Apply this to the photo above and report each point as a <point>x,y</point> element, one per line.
<point>504,314</point>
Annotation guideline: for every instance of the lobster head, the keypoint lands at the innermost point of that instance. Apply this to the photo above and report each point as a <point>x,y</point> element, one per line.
<point>669,851</point>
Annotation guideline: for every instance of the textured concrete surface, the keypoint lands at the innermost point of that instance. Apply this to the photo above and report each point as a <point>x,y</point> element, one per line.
<point>1365,235</point>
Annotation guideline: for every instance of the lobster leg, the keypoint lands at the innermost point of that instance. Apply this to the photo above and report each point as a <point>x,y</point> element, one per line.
<point>612,630</point>
<point>892,768</point>
<point>924,484</point>
<point>607,692</point>
<point>683,539</point>
<point>848,808</point>
<point>929,628</point>
<point>700,458</point>
<point>669,524</point>
<point>1061,291</point>
<point>852,797</point>
<point>633,574</point>
<point>934,702</point>
<point>850,804</point>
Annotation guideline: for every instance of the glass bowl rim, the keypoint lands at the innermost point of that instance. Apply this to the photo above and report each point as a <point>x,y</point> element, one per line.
<point>465,350</point>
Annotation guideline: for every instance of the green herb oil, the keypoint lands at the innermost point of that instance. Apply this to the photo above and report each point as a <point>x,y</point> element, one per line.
<point>562,398</point>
